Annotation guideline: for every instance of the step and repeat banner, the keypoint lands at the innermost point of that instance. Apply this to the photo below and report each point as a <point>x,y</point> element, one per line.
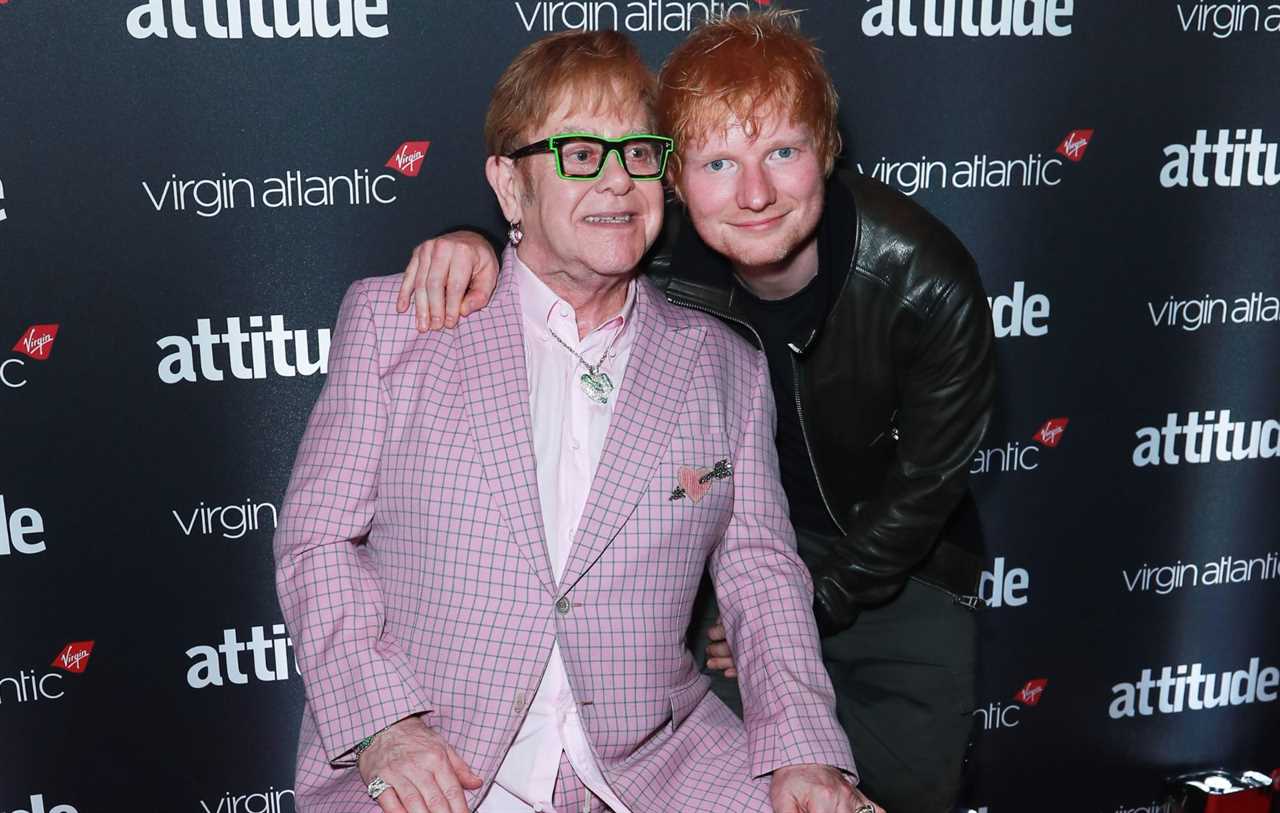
<point>188,186</point>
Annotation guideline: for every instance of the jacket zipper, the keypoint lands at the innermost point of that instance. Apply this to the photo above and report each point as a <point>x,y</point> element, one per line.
<point>813,464</point>
<point>795,366</point>
<point>684,303</point>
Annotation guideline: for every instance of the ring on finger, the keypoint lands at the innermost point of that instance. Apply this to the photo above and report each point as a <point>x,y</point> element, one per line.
<point>865,809</point>
<point>379,786</point>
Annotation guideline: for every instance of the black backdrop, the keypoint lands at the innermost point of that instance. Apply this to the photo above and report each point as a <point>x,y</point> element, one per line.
<point>159,169</point>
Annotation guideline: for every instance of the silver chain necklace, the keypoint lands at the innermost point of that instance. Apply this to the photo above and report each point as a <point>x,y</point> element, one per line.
<point>594,382</point>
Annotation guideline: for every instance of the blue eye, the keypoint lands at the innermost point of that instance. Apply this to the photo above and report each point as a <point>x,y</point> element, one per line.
<point>716,165</point>
<point>785,152</point>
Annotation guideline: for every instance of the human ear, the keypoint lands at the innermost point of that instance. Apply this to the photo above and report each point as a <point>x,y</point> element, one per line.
<point>505,182</point>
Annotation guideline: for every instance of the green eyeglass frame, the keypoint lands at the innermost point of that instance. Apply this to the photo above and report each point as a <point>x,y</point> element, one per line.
<point>582,156</point>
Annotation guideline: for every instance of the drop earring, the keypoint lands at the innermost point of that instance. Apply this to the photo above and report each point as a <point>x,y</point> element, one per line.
<point>514,235</point>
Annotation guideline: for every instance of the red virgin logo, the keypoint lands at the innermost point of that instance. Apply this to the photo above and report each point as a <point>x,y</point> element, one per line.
<point>1051,433</point>
<point>1073,146</point>
<point>408,158</point>
<point>1030,694</point>
<point>74,657</point>
<point>37,341</point>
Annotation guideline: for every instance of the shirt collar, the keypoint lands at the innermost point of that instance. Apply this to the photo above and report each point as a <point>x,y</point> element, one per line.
<point>539,303</point>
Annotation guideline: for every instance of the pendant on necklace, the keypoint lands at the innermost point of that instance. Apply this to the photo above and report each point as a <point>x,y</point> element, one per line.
<point>597,386</point>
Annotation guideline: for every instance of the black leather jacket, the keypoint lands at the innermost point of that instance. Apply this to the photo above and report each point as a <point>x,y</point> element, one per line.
<point>894,391</point>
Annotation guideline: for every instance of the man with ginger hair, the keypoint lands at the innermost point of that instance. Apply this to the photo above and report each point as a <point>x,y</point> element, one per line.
<point>880,352</point>
<point>493,536</point>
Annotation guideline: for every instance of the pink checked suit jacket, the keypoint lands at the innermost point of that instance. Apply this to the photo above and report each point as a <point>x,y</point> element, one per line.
<point>414,578</point>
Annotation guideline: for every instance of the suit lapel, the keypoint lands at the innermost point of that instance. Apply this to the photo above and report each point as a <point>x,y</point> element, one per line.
<point>654,390</point>
<point>497,396</point>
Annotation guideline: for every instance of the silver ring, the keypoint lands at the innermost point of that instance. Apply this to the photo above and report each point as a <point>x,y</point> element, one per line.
<point>865,809</point>
<point>379,786</point>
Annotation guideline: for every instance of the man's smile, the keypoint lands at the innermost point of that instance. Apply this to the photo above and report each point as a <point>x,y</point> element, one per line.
<point>759,224</point>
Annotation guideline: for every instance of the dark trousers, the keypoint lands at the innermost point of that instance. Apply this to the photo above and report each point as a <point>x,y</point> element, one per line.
<point>904,677</point>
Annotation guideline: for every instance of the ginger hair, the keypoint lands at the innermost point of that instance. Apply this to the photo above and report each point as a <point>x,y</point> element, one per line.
<point>601,71</point>
<point>745,68</point>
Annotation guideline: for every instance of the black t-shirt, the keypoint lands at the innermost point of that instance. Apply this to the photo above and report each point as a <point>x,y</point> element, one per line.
<point>781,322</point>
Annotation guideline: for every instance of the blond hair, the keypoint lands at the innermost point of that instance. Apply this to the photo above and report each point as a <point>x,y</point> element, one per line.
<point>600,71</point>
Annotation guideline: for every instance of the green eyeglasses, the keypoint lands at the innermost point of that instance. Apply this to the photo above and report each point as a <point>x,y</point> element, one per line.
<point>582,156</point>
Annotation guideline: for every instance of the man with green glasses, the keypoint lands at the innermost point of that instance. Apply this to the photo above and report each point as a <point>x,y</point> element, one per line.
<point>879,341</point>
<point>492,540</point>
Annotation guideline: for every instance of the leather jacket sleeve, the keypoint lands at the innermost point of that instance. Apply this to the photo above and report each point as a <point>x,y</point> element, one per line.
<point>946,394</point>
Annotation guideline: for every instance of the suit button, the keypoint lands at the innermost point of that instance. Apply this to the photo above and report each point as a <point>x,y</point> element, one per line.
<point>562,606</point>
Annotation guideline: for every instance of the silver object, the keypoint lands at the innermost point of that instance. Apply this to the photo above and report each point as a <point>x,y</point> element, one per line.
<point>1199,791</point>
<point>379,786</point>
<point>594,383</point>
<point>721,470</point>
<point>865,809</point>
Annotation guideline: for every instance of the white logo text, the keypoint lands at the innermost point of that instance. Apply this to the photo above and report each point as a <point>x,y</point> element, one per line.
<point>1019,314</point>
<point>210,197</point>
<point>1183,689</point>
<point>16,527</point>
<point>228,521</point>
<point>635,16</point>
<point>180,364</point>
<point>310,18</point>
<point>1233,162</point>
<point>1164,579</point>
<point>215,665</point>
<point>979,172</point>
<point>998,588</point>
<point>1193,314</point>
<point>1225,19</point>
<point>1052,17</point>
<point>1234,441</point>
<point>36,805</point>
<point>268,801</point>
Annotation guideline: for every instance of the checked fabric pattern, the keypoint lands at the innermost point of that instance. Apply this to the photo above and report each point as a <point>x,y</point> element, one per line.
<point>413,574</point>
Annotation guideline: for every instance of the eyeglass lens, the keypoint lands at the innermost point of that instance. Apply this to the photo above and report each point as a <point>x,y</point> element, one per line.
<point>582,158</point>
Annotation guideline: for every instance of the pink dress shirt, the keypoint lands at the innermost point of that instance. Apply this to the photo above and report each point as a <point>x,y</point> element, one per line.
<point>568,436</point>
